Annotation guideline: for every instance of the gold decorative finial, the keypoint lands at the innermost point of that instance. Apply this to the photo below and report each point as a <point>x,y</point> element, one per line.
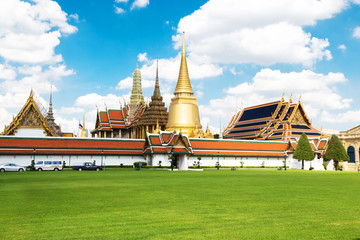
<point>83,131</point>
<point>183,84</point>
<point>157,130</point>
<point>300,98</point>
<point>282,98</point>
<point>105,106</point>
<point>290,100</point>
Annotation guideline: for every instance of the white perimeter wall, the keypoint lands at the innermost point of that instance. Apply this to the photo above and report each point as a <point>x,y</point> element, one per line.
<point>154,160</point>
<point>235,161</point>
<point>25,160</point>
<point>29,132</point>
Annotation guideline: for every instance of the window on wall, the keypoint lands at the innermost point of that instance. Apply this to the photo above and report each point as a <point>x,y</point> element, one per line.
<point>351,153</point>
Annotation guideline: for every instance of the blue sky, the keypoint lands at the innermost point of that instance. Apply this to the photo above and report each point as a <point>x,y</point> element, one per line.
<point>240,53</point>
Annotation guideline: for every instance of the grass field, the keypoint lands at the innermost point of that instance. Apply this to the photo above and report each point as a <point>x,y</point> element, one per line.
<point>151,204</point>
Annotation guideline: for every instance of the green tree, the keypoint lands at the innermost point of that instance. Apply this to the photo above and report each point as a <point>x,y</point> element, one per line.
<point>335,151</point>
<point>303,150</point>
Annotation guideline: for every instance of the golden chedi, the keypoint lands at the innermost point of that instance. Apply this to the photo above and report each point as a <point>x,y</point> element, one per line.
<point>183,110</point>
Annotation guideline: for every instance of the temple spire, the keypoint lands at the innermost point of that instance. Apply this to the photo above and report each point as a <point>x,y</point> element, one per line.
<point>157,85</point>
<point>83,131</point>
<point>183,84</point>
<point>50,115</point>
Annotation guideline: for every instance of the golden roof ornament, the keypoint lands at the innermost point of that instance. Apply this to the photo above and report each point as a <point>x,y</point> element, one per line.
<point>183,84</point>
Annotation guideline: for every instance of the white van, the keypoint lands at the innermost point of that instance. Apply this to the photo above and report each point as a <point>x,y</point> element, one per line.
<point>48,165</point>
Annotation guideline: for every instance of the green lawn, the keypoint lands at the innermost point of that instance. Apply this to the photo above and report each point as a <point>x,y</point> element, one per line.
<point>151,204</point>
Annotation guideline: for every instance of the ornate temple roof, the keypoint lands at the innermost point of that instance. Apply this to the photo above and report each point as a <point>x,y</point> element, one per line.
<point>278,120</point>
<point>173,143</point>
<point>33,115</point>
<point>112,119</point>
<point>167,142</point>
<point>156,112</point>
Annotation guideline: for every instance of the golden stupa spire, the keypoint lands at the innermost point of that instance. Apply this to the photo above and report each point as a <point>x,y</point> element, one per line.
<point>83,131</point>
<point>183,84</point>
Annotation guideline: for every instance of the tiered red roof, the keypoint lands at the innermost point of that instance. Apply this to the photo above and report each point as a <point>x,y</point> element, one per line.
<point>175,143</point>
<point>112,119</point>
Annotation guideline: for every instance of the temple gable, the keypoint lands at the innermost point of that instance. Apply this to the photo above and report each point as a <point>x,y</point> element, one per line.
<point>31,122</point>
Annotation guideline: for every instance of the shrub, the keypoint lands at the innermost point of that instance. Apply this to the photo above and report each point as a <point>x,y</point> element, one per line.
<point>311,168</point>
<point>63,164</point>
<point>136,164</point>
<point>325,165</point>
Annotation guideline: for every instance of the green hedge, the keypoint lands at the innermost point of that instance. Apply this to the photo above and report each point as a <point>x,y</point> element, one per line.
<point>136,164</point>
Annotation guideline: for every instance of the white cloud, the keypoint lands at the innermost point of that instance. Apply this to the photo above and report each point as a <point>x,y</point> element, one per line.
<point>121,1</point>
<point>127,83</point>
<point>356,33</point>
<point>139,4</point>
<point>318,94</point>
<point>316,89</point>
<point>7,72</point>
<point>69,110</point>
<point>342,47</point>
<point>119,10</point>
<point>93,99</point>
<point>169,69</point>
<point>29,33</point>
<point>142,57</point>
<point>199,94</point>
<point>36,77</point>
<point>260,31</point>
<point>235,72</point>
<point>351,116</point>
<point>74,16</point>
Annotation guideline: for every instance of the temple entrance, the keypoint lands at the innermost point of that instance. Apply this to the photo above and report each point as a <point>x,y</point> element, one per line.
<point>182,163</point>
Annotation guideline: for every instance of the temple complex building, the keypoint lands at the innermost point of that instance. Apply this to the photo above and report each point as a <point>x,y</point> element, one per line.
<point>278,120</point>
<point>136,93</point>
<point>155,115</point>
<point>33,120</point>
<point>183,110</point>
<point>112,123</point>
<point>351,142</point>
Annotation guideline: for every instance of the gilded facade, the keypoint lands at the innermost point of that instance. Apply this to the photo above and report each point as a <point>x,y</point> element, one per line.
<point>351,142</point>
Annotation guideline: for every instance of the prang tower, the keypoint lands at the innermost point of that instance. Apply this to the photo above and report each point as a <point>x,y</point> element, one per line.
<point>183,110</point>
<point>136,93</point>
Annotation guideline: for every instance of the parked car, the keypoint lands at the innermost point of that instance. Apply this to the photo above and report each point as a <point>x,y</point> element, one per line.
<point>48,165</point>
<point>11,167</point>
<point>87,166</point>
